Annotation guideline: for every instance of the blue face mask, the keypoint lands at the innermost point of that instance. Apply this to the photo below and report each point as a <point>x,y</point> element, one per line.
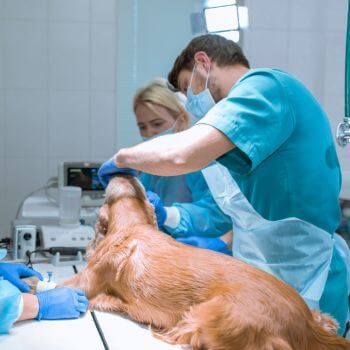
<point>162,133</point>
<point>198,105</point>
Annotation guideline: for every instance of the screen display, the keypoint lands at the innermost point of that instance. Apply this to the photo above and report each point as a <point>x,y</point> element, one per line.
<point>86,178</point>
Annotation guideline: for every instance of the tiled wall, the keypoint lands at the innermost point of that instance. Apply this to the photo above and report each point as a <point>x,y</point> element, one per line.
<point>307,39</point>
<point>69,70</point>
<point>68,73</point>
<point>57,90</point>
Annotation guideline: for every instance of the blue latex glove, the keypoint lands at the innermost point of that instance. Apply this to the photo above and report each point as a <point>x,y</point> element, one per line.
<point>216,244</point>
<point>13,273</point>
<point>158,207</point>
<point>108,169</point>
<point>61,303</point>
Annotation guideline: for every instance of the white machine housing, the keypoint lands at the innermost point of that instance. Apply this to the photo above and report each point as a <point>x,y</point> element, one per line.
<point>24,240</point>
<point>59,236</point>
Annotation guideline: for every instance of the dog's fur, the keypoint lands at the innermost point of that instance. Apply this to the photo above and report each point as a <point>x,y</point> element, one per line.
<point>192,296</point>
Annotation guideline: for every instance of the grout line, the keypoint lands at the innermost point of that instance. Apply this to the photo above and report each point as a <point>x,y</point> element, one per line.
<point>90,84</point>
<point>48,86</point>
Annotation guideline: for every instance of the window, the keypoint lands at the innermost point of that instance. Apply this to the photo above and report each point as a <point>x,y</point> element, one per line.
<point>225,18</point>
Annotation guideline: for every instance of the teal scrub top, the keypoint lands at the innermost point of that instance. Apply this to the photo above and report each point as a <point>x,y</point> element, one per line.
<point>285,161</point>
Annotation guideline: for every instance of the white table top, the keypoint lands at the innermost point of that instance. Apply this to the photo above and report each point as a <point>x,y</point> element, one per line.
<point>119,332</point>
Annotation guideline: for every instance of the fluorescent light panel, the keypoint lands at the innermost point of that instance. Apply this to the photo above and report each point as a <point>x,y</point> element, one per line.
<point>222,18</point>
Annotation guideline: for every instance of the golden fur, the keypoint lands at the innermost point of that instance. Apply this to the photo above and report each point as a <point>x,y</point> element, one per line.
<point>192,296</point>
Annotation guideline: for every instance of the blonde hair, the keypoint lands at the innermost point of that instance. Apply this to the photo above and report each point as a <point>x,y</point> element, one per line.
<point>158,93</point>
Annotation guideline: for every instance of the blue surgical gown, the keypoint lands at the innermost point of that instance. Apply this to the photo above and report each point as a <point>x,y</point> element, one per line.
<point>10,301</point>
<point>199,214</point>
<point>285,160</point>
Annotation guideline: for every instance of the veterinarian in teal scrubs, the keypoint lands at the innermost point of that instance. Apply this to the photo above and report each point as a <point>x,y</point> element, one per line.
<point>277,174</point>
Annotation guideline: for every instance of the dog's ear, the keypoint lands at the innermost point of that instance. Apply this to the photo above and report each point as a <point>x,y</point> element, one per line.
<point>151,215</point>
<point>101,225</point>
<point>101,228</point>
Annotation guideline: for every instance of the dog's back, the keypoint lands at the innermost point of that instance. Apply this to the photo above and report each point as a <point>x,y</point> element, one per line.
<point>195,296</point>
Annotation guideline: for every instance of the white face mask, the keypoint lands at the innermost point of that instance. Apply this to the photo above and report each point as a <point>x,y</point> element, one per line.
<point>162,133</point>
<point>199,105</point>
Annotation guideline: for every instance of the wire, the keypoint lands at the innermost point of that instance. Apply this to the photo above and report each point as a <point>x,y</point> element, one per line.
<point>51,182</point>
<point>29,255</point>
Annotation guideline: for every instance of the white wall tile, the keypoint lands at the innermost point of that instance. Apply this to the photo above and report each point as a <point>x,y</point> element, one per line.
<point>26,123</point>
<point>335,63</point>
<point>22,176</point>
<point>2,54</point>
<point>24,9</point>
<point>308,15</point>
<point>69,55</point>
<point>103,120</point>
<point>73,10</point>
<point>103,57</point>
<point>268,14</point>
<point>25,47</point>
<point>337,15</point>
<point>306,59</point>
<point>103,10</point>
<point>69,123</point>
<point>267,48</point>
<point>2,12</point>
<point>2,124</point>
<point>4,222</point>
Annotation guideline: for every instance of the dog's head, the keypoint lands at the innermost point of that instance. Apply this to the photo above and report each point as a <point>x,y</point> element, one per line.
<point>125,189</point>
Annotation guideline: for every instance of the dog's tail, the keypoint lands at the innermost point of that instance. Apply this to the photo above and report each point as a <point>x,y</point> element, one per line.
<point>324,330</point>
<point>220,324</point>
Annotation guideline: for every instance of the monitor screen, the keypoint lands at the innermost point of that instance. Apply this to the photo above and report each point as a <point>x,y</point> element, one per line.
<point>86,178</point>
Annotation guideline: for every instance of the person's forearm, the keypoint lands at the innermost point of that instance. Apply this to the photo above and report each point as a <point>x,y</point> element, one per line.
<point>176,154</point>
<point>30,307</point>
<point>163,156</point>
<point>150,158</point>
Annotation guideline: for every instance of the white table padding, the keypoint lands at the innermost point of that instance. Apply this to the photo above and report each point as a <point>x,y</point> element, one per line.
<point>52,335</point>
<point>122,333</point>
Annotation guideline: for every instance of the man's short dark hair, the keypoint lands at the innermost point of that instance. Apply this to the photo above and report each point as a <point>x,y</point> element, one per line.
<point>222,51</point>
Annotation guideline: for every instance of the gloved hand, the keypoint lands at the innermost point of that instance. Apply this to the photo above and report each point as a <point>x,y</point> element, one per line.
<point>13,273</point>
<point>216,244</point>
<point>108,169</point>
<point>61,303</point>
<point>158,207</point>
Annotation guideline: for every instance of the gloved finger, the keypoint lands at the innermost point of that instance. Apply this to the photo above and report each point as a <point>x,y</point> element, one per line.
<point>83,300</point>
<point>188,241</point>
<point>22,286</point>
<point>25,271</point>
<point>82,307</point>
<point>79,292</point>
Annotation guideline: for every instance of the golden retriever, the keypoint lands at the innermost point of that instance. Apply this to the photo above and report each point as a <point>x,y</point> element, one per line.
<point>191,296</point>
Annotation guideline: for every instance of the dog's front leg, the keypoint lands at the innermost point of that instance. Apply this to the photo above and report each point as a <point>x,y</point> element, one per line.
<point>86,281</point>
<point>107,302</point>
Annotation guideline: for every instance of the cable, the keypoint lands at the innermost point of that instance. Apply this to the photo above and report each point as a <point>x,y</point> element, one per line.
<point>29,255</point>
<point>50,183</point>
<point>53,251</point>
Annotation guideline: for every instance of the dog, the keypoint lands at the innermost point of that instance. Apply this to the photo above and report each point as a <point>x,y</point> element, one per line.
<point>191,296</point>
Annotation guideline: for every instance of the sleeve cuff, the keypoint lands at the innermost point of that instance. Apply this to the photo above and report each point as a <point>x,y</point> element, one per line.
<point>20,308</point>
<point>172,218</point>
